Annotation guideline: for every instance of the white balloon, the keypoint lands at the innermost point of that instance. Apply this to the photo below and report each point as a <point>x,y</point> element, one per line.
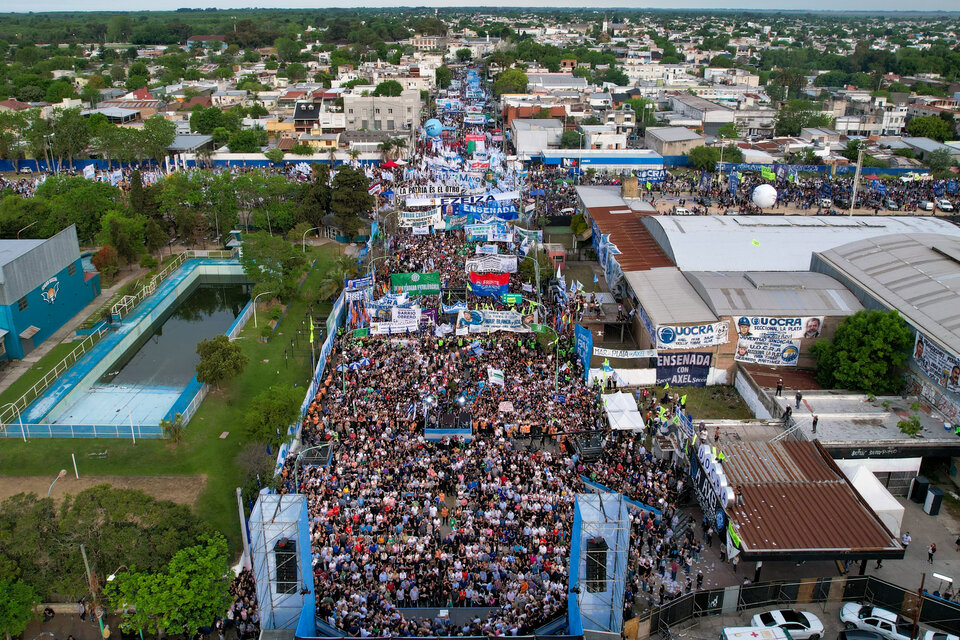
<point>764,196</point>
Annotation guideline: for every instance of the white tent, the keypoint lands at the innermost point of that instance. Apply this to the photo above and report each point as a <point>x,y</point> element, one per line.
<point>889,510</point>
<point>622,411</point>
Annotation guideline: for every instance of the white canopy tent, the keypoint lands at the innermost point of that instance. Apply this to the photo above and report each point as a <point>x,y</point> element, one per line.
<point>887,508</point>
<point>622,412</point>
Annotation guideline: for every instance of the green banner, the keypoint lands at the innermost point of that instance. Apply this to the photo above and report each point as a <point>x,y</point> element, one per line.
<point>539,328</point>
<point>734,538</point>
<point>359,333</point>
<point>512,298</point>
<point>416,284</point>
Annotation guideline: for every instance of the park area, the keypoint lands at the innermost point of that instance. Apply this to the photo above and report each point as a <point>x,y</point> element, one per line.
<point>215,455</point>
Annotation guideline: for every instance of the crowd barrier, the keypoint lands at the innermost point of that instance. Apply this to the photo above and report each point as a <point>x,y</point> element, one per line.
<point>30,430</point>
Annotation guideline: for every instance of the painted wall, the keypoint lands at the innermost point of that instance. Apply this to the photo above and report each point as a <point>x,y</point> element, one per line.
<point>49,307</point>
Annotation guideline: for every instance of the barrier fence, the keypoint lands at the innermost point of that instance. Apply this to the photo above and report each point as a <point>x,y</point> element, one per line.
<point>933,611</point>
<point>81,431</point>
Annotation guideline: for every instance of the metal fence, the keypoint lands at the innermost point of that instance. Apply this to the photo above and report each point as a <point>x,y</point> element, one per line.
<point>134,432</point>
<point>935,612</point>
<point>11,411</point>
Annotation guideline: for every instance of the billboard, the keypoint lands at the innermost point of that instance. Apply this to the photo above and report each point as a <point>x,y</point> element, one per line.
<point>943,368</point>
<point>779,328</point>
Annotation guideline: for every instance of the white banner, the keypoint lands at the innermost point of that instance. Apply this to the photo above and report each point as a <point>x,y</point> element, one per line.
<point>480,321</point>
<point>419,218</point>
<point>943,368</point>
<point>692,337</point>
<point>388,328</point>
<point>429,189</point>
<point>421,201</point>
<point>495,376</point>
<point>778,328</point>
<point>421,231</point>
<point>491,264</point>
<point>405,315</point>
<point>500,236</point>
<point>768,351</point>
<point>625,353</point>
<point>486,249</point>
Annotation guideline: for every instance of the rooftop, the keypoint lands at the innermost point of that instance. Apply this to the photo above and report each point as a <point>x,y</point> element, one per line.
<point>775,293</point>
<point>673,134</point>
<point>796,500</point>
<point>917,274</point>
<point>773,243</point>
<point>10,250</point>
<point>667,297</point>
<point>535,124</point>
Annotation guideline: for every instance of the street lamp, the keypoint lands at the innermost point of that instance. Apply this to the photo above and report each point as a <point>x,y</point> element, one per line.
<point>113,575</point>
<point>303,240</point>
<point>23,433</point>
<point>255,306</point>
<point>296,466</point>
<point>62,473</point>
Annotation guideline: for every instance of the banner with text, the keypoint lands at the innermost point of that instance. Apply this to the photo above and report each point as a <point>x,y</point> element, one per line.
<point>416,284</point>
<point>491,285</point>
<point>943,368</point>
<point>768,351</point>
<point>779,328</point>
<point>625,353</point>
<point>584,348</point>
<point>492,264</point>
<point>693,336</point>
<point>689,369</point>
<point>482,321</point>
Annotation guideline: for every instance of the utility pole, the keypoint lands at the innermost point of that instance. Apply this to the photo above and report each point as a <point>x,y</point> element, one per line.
<point>856,179</point>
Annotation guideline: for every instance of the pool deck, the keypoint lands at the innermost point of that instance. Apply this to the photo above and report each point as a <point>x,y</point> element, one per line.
<point>104,404</point>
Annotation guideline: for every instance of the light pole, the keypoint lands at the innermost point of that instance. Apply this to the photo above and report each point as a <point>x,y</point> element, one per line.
<point>296,466</point>
<point>23,433</point>
<point>26,227</point>
<point>536,270</point>
<point>113,574</point>
<point>303,240</point>
<point>62,473</point>
<point>255,306</point>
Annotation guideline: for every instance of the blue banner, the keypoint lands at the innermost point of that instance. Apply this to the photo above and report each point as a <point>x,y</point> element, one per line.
<point>938,189</point>
<point>584,348</point>
<point>476,212</point>
<point>489,285</point>
<point>951,186</point>
<point>360,283</point>
<point>734,182</point>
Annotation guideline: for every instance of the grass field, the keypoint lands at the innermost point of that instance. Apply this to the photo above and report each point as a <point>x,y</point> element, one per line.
<point>22,384</point>
<point>719,402</point>
<point>203,452</point>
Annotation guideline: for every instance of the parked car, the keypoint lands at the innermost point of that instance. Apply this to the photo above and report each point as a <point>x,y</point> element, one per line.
<point>868,618</point>
<point>891,205</point>
<point>705,201</point>
<point>856,634</point>
<point>27,170</point>
<point>681,211</point>
<point>925,205</point>
<point>801,624</point>
<point>944,205</point>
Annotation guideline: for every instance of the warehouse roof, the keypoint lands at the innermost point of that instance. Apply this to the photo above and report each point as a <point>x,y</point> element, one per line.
<point>667,297</point>
<point>772,243</point>
<point>622,220</point>
<point>918,275</point>
<point>773,293</point>
<point>673,134</point>
<point>10,250</point>
<point>796,500</point>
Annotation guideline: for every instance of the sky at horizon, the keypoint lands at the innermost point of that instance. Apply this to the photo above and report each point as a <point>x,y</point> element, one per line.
<point>873,6</point>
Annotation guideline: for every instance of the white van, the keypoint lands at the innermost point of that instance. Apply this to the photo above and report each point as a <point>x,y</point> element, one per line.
<point>755,633</point>
<point>681,211</point>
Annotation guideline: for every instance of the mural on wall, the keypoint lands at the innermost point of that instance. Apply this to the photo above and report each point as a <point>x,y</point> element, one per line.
<point>50,289</point>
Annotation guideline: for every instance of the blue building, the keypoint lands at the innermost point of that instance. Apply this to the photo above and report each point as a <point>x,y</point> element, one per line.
<point>42,286</point>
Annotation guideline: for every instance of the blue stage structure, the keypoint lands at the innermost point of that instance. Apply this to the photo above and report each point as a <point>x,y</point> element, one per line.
<point>598,565</point>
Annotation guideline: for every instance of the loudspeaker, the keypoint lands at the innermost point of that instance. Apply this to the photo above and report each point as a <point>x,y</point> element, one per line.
<point>596,565</point>
<point>285,555</point>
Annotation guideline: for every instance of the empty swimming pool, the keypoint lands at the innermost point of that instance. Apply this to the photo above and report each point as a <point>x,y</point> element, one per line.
<point>167,357</point>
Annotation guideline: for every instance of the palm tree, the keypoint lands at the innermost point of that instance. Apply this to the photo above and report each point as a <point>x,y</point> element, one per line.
<point>399,145</point>
<point>354,154</point>
<point>333,156</point>
<point>386,148</point>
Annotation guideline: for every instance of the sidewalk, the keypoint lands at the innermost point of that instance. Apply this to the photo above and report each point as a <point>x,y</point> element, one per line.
<point>65,333</point>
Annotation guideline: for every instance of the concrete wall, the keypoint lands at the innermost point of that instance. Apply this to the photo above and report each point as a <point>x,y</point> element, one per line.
<point>756,399</point>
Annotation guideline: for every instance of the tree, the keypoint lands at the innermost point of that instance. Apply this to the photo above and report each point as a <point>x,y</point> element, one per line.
<point>349,199</point>
<point>187,594</point>
<point>271,263</point>
<point>929,127</point>
<point>732,153</point>
<point>124,232</point>
<point>220,360</point>
<point>529,272</point>
<point>799,114</point>
<point>388,88</point>
<point>571,139</point>
<point>106,262</point>
<point>246,141</point>
<point>464,54</point>
<point>156,135</point>
<point>296,71</point>
<point>444,76</point>
<point>271,412</point>
<point>510,81</point>
<point>939,160</point>
<point>728,130</point>
<point>704,158</point>
<point>16,606</point>
<point>287,50</point>
<point>274,155</point>
<point>174,429</point>
<point>867,353</point>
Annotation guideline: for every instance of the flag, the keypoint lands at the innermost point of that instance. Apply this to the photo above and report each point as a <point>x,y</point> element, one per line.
<point>495,376</point>
<point>767,174</point>
<point>649,186</point>
<point>311,330</point>
<point>755,242</point>
<point>596,278</point>
<point>558,272</point>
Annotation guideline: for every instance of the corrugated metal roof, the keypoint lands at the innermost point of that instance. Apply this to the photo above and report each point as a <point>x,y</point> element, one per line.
<point>667,297</point>
<point>918,275</point>
<point>773,293</point>
<point>773,243</point>
<point>795,499</point>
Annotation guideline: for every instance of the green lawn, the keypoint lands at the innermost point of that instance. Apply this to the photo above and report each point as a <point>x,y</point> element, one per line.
<point>203,452</point>
<point>719,402</point>
<point>22,384</point>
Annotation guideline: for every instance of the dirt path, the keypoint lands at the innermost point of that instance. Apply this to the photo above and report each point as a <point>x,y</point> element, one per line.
<point>179,489</point>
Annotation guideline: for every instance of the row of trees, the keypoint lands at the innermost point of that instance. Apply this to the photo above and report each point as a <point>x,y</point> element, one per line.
<point>67,135</point>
